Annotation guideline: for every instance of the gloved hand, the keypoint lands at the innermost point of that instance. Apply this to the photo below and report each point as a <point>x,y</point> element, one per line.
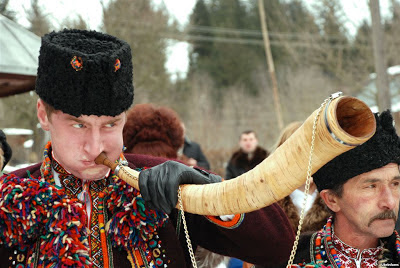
<point>159,185</point>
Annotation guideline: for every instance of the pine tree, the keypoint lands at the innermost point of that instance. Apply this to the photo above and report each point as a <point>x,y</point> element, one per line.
<point>362,53</point>
<point>143,27</point>
<point>228,59</point>
<point>199,20</point>
<point>235,54</point>
<point>334,46</point>
<point>392,33</point>
<point>290,24</point>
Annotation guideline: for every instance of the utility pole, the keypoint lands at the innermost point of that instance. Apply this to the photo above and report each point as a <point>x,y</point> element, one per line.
<point>382,83</point>
<point>270,62</point>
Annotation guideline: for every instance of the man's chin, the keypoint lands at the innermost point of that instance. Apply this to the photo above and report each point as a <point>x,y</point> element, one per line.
<point>94,173</point>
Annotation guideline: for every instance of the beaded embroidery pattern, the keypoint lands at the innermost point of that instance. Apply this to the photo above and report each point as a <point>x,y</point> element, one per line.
<point>150,254</point>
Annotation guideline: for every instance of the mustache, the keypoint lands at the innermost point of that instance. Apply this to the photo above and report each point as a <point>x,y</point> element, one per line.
<point>389,214</point>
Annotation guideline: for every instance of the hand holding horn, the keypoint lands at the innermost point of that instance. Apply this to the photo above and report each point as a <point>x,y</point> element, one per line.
<point>345,123</point>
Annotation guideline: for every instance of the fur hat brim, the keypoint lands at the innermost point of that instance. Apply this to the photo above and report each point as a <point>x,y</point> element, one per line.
<point>383,148</point>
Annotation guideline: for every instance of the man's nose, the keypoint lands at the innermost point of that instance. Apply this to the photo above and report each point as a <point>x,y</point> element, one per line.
<point>389,198</point>
<point>94,143</point>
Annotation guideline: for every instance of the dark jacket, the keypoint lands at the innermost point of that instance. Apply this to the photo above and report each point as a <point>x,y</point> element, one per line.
<point>263,237</point>
<point>240,163</point>
<point>398,223</point>
<point>193,150</point>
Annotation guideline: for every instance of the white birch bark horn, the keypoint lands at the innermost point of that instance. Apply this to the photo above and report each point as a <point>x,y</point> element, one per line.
<point>344,123</point>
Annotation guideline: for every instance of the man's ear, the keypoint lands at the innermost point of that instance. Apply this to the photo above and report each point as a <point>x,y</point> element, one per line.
<point>330,199</point>
<point>42,115</point>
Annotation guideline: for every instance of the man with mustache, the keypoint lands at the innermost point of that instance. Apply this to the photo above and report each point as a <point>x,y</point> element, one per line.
<point>361,188</point>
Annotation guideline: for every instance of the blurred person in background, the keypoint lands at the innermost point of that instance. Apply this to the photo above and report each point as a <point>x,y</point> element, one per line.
<point>193,153</point>
<point>152,130</point>
<point>158,131</point>
<point>247,157</point>
<point>316,212</point>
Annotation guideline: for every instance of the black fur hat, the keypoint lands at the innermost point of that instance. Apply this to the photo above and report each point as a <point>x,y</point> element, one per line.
<point>5,147</point>
<point>85,73</point>
<point>383,148</point>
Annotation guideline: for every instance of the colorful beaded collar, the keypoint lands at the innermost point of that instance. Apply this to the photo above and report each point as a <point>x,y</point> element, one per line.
<point>326,234</point>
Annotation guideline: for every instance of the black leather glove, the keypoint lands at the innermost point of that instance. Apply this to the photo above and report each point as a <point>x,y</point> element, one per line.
<point>159,185</point>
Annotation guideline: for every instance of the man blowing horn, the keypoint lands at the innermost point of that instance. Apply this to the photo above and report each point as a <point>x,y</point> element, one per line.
<point>69,212</point>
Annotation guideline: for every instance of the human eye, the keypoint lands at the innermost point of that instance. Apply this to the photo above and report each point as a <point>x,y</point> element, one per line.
<point>78,125</point>
<point>371,186</point>
<point>396,183</point>
<point>110,124</point>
